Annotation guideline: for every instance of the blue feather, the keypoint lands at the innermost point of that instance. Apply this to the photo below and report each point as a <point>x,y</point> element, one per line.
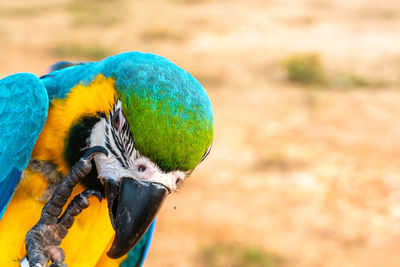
<point>65,75</point>
<point>23,111</point>
<point>64,64</point>
<point>7,187</point>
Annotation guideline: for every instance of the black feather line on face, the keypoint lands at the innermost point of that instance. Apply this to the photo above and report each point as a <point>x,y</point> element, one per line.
<point>122,138</point>
<point>117,139</point>
<point>108,145</point>
<point>128,139</point>
<point>106,136</point>
<point>116,154</point>
<point>119,146</point>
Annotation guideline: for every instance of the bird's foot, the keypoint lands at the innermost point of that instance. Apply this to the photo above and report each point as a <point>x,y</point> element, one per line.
<point>43,240</point>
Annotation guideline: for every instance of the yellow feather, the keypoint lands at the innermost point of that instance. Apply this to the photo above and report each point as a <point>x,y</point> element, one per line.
<point>22,213</point>
<point>82,100</point>
<point>86,240</point>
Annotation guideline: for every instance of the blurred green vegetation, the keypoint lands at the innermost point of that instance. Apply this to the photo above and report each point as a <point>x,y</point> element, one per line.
<point>81,52</point>
<point>350,80</point>
<point>305,69</point>
<point>223,254</point>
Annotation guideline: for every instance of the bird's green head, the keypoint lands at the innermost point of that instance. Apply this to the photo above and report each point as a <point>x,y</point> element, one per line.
<point>167,110</point>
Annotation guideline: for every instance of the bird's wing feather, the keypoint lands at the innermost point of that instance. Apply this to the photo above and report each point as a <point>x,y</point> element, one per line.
<point>23,111</point>
<point>64,64</point>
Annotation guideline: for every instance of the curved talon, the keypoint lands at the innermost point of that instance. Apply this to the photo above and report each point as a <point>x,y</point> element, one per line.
<point>43,240</point>
<point>91,193</point>
<point>91,152</point>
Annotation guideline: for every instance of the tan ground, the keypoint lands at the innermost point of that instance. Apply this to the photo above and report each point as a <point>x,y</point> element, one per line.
<point>309,175</point>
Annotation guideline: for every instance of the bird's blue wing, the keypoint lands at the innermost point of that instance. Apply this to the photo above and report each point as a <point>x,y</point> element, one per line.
<point>23,111</point>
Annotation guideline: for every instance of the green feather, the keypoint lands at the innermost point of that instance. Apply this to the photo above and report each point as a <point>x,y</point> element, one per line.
<point>168,111</point>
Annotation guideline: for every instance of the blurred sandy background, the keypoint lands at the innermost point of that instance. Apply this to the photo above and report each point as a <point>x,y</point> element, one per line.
<point>305,167</point>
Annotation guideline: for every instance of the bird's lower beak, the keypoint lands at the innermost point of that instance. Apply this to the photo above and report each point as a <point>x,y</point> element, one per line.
<point>132,205</point>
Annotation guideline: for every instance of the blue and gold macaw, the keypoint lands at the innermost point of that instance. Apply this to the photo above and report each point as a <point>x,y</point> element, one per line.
<point>130,128</point>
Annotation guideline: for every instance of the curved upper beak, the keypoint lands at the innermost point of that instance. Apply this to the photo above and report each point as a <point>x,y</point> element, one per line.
<point>132,205</point>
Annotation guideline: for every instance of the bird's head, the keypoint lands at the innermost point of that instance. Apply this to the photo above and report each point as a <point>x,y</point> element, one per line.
<point>160,127</point>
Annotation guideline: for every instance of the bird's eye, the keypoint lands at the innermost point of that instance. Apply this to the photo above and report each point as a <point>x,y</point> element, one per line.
<point>141,168</point>
<point>116,120</point>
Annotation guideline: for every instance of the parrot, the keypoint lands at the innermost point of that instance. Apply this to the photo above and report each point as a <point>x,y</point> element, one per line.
<point>127,130</point>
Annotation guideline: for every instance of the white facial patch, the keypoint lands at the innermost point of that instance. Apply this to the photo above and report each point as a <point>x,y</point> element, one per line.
<point>123,159</point>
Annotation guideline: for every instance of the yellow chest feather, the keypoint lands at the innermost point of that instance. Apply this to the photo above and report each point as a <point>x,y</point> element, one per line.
<point>86,240</point>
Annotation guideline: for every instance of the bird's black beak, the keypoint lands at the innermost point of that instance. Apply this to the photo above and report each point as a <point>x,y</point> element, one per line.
<point>132,205</point>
